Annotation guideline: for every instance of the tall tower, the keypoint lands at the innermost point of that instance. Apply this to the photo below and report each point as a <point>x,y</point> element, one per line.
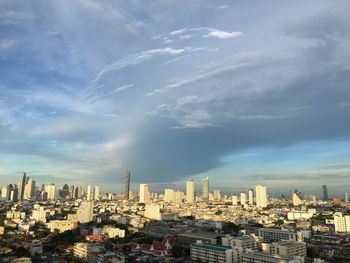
<point>22,185</point>
<point>144,193</point>
<point>88,193</point>
<point>205,188</point>
<point>97,193</point>
<point>261,196</point>
<point>325,192</point>
<point>190,191</point>
<point>251,196</point>
<point>127,185</point>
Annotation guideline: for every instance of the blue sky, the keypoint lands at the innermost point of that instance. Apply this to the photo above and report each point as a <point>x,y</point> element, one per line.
<point>244,92</point>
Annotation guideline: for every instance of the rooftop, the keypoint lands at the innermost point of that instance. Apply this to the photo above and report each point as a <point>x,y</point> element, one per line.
<point>219,248</point>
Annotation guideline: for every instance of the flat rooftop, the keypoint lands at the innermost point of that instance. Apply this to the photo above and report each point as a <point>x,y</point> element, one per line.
<point>219,248</point>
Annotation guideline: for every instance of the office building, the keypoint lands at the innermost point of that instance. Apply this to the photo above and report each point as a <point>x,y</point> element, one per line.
<point>97,193</point>
<point>50,189</point>
<point>251,197</point>
<point>88,193</point>
<point>341,223</point>
<point>296,200</point>
<point>205,252</point>
<point>243,199</point>
<point>346,197</point>
<point>127,185</point>
<point>179,196</point>
<point>190,191</point>
<point>325,193</point>
<point>144,195</point>
<point>261,196</point>
<point>234,200</point>
<point>259,257</point>
<point>245,241</point>
<point>21,186</point>
<point>169,195</point>
<point>285,248</point>
<point>29,189</point>
<point>274,235</point>
<point>216,194</point>
<point>205,188</point>
<point>152,211</point>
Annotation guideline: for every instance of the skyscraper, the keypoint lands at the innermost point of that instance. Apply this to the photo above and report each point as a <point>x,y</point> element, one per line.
<point>346,198</point>
<point>50,190</point>
<point>127,185</point>
<point>97,193</point>
<point>190,191</point>
<point>261,196</point>
<point>29,189</point>
<point>169,195</point>
<point>88,193</point>
<point>144,193</point>
<point>243,198</point>
<point>205,188</point>
<point>22,185</point>
<point>325,192</point>
<point>251,196</point>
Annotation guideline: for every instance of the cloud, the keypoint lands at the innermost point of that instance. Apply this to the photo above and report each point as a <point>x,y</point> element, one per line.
<point>223,34</point>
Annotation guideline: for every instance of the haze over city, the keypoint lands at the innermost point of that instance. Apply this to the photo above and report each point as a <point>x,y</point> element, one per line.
<point>172,90</point>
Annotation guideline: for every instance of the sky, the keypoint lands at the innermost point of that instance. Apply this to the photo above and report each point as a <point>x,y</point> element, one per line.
<point>245,92</point>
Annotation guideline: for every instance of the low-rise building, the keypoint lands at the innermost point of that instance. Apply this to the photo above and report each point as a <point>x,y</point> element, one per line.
<point>260,257</point>
<point>211,253</point>
<point>61,225</point>
<point>285,248</point>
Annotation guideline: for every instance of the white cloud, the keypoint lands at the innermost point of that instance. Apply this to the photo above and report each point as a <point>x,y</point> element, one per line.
<point>178,32</point>
<point>223,34</point>
<point>137,58</point>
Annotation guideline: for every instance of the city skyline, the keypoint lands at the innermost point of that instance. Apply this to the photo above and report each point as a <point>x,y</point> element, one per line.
<point>159,90</point>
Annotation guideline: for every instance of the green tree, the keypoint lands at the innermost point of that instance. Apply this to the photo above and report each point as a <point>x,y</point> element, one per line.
<point>177,251</point>
<point>279,222</point>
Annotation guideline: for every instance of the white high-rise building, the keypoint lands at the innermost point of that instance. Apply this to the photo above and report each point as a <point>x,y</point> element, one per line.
<point>85,212</point>
<point>88,193</point>
<point>217,194</point>
<point>179,196</point>
<point>50,189</point>
<point>261,196</point>
<point>29,189</point>
<point>243,198</point>
<point>205,188</point>
<point>97,193</point>
<point>251,196</point>
<point>169,195</point>
<point>5,193</point>
<point>190,191</point>
<point>341,223</point>
<point>152,211</point>
<point>234,200</point>
<point>296,200</point>
<point>346,197</point>
<point>144,193</point>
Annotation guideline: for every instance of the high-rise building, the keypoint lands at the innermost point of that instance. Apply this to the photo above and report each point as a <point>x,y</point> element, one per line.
<point>85,212</point>
<point>243,198</point>
<point>190,191</point>
<point>22,184</point>
<point>297,201</point>
<point>179,196</point>
<point>216,194</point>
<point>29,189</point>
<point>325,192</point>
<point>97,193</point>
<point>234,200</point>
<point>341,223</point>
<point>205,188</point>
<point>152,211</point>
<point>251,196</point>
<point>14,194</point>
<point>64,192</point>
<point>169,195</point>
<point>88,193</point>
<point>144,193</point>
<point>127,185</point>
<point>50,190</point>
<point>346,197</point>
<point>261,196</point>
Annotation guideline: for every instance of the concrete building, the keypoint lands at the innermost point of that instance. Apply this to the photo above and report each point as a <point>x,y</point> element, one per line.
<point>179,196</point>
<point>169,195</point>
<point>205,188</point>
<point>88,251</point>
<point>245,241</point>
<point>341,223</point>
<point>113,232</point>
<point>50,189</point>
<point>144,193</point>
<point>127,185</point>
<point>188,238</point>
<point>251,196</point>
<point>274,235</point>
<point>261,196</point>
<point>297,201</point>
<point>152,211</point>
<point>97,193</point>
<point>285,248</point>
<point>243,198</point>
<point>190,191</point>
<point>260,257</point>
<point>234,200</point>
<point>61,225</point>
<point>205,252</point>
